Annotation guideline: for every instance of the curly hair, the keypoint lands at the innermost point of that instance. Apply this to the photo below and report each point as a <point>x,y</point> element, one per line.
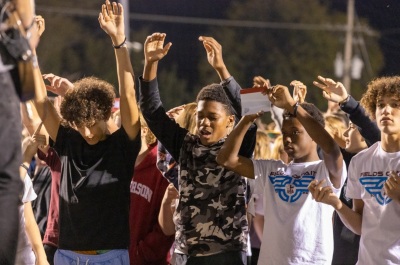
<point>91,100</point>
<point>378,88</point>
<point>312,110</point>
<point>215,92</point>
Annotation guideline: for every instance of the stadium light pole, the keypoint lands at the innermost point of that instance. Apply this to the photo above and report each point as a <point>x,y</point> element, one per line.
<point>348,48</point>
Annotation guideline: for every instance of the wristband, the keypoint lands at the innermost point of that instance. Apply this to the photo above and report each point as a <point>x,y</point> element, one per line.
<point>120,45</point>
<point>295,106</point>
<point>23,165</point>
<point>344,101</point>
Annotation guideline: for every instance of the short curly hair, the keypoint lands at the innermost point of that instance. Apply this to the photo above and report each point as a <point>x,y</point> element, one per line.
<point>89,101</point>
<point>215,92</point>
<point>377,88</point>
<point>312,110</point>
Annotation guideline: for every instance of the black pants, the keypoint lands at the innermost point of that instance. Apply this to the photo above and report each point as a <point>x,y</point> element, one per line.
<point>10,159</point>
<point>225,258</point>
<point>50,251</point>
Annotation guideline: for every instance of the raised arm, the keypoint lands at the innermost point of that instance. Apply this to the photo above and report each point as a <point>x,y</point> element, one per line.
<point>232,90</point>
<point>281,97</point>
<point>229,156</point>
<point>276,113</point>
<point>154,51</point>
<point>337,93</point>
<point>47,113</point>
<point>111,20</point>
<point>214,56</point>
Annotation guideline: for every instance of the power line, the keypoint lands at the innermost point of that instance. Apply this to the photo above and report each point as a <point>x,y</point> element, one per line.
<point>213,22</point>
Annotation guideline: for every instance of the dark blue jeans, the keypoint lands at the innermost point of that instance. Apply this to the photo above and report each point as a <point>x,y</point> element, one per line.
<point>10,159</point>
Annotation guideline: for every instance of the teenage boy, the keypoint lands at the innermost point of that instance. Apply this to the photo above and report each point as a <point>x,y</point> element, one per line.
<point>374,182</point>
<point>296,228</point>
<point>210,217</point>
<point>97,164</point>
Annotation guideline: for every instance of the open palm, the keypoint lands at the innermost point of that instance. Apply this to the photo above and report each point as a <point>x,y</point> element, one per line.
<point>111,19</point>
<point>154,49</point>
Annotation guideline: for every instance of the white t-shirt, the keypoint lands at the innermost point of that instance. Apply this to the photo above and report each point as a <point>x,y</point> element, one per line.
<point>297,229</point>
<point>25,255</point>
<point>380,231</point>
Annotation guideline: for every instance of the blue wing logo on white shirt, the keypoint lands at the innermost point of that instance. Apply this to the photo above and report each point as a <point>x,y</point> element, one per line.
<point>290,189</point>
<point>374,186</point>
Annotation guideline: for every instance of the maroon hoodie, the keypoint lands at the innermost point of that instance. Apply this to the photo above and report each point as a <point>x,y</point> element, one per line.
<point>148,244</point>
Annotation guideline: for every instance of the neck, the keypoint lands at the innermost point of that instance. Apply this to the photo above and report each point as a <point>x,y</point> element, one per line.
<point>390,142</point>
<point>144,150</point>
<point>307,158</point>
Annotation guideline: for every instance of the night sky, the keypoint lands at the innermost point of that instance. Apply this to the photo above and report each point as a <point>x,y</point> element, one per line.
<point>383,15</point>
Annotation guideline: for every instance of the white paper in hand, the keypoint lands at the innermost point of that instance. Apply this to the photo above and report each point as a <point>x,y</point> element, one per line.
<point>254,101</point>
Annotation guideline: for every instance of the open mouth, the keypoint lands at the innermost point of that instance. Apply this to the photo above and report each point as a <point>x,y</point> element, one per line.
<point>205,133</point>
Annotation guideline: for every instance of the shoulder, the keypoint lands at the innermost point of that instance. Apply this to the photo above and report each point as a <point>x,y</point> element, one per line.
<point>366,153</point>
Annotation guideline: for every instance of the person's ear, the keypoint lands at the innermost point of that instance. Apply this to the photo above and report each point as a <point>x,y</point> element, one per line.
<point>144,131</point>
<point>231,121</point>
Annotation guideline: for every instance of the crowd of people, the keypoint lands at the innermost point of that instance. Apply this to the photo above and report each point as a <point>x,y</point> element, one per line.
<point>198,184</point>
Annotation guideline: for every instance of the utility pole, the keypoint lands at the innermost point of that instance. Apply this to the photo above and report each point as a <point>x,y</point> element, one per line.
<point>348,48</point>
<point>125,4</point>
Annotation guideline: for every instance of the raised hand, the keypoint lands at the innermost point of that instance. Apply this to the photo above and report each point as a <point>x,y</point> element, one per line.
<point>36,31</point>
<point>279,96</point>
<point>154,49</point>
<point>323,194</point>
<point>36,141</point>
<point>111,19</point>
<point>214,52</point>
<point>259,81</point>
<point>175,112</point>
<point>299,91</point>
<point>392,187</point>
<point>332,91</point>
<point>252,117</point>
<point>58,85</point>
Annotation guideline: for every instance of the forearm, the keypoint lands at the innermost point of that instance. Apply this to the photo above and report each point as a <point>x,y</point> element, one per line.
<point>150,71</point>
<point>32,230</point>
<point>316,131</point>
<point>128,105</point>
<point>222,72</point>
<point>368,128</point>
<point>26,11</point>
<point>351,219</point>
<point>228,156</point>
<point>232,91</point>
<point>165,218</point>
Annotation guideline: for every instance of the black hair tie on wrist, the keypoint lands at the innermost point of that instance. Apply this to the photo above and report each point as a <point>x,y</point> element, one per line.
<point>119,46</point>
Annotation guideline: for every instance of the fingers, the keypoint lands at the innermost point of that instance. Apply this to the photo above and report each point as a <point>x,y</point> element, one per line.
<point>38,129</point>
<point>320,193</point>
<point>393,181</point>
<point>166,48</point>
<point>211,45</point>
<point>260,81</point>
<point>156,37</point>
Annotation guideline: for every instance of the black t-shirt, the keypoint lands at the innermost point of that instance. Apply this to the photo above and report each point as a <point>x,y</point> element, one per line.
<point>94,190</point>
<point>42,187</point>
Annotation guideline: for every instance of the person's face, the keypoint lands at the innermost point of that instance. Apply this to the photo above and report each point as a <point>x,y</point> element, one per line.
<point>354,141</point>
<point>388,114</point>
<point>213,122</point>
<point>95,133</point>
<point>296,141</point>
